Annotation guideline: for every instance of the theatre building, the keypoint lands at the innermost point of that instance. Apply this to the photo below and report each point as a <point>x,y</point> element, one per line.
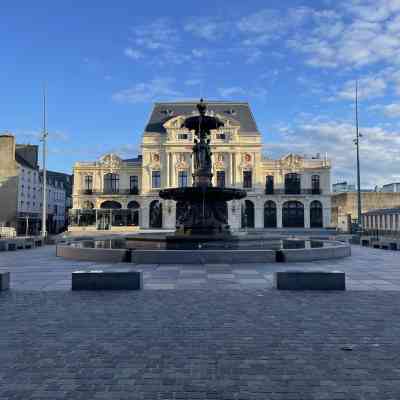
<point>121,194</point>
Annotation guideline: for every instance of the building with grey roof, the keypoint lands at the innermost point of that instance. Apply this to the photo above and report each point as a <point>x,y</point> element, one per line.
<point>112,193</point>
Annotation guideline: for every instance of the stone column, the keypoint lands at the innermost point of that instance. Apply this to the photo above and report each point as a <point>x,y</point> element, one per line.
<point>173,172</point>
<point>169,214</point>
<point>167,172</point>
<point>279,214</point>
<point>258,215</point>
<point>306,214</point>
<point>326,216</point>
<point>233,169</point>
<point>234,216</point>
<point>144,217</point>
<point>230,170</point>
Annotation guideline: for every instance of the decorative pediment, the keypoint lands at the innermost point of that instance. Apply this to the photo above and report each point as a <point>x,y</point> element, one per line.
<point>292,162</point>
<point>111,161</point>
<point>229,122</point>
<point>174,123</point>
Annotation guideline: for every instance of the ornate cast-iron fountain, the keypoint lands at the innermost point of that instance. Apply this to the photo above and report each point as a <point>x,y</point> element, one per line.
<point>202,208</point>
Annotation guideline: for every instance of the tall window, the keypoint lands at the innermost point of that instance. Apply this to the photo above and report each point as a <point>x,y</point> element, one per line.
<point>247,179</point>
<point>134,184</point>
<point>88,183</point>
<point>182,178</point>
<point>269,184</point>
<point>315,186</point>
<point>292,183</point>
<point>221,179</point>
<point>155,179</point>
<point>111,183</point>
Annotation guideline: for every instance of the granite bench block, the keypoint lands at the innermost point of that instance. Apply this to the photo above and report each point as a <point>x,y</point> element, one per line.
<point>310,280</point>
<point>4,281</point>
<point>107,280</point>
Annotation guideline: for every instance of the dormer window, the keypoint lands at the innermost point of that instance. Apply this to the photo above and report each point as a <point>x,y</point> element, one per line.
<point>167,111</point>
<point>182,136</point>
<point>220,136</point>
<point>230,111</point>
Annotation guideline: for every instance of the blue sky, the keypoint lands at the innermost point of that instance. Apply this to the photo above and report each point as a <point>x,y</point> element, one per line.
<point>295,62</point>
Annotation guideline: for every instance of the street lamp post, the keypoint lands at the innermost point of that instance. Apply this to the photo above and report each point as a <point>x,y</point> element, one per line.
<point>44,142</point>
<point>357,143</point>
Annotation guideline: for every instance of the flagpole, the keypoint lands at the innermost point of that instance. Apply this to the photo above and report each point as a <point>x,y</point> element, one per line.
<point>44,143</point>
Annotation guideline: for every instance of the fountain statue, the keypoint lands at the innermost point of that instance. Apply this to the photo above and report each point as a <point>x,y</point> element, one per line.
<point>203,210</point>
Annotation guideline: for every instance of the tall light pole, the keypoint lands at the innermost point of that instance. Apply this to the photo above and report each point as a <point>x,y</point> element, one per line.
<point>44,142</point>
<point>357,143</point>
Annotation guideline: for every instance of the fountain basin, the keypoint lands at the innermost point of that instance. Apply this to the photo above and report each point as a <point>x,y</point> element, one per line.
<point>152,250</point>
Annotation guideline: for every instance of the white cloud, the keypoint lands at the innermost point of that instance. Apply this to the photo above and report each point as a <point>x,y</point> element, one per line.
<point>237,91</point>
<point>206,28</point>
<point>373,10</point>
<point>156,89</point>
<point>378,147</point>
<point>158,35</point>
<point>233,91</point>
<point>125,150</point>
<point>33,136</point>
<point>133,54</point>
<point>368,87</point>
<point>263,26</point>
<point>390,110</point>
<point>362,35</point>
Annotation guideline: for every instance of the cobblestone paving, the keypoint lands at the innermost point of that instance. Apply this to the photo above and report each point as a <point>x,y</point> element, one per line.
<point>197,344</point>
<point>40,269</point>
<point>210,342</point>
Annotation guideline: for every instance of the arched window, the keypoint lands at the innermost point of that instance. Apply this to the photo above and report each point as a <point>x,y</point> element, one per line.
<point>293,214</point>
<point>111,183</point>
<point>155,214</point>
<point>292,183</point>
<point>133,216</point>
<point>315,184</point>
<point>269,214</point>
<point>113,205</point>
<point>316,220</point>
<point>247,214</point>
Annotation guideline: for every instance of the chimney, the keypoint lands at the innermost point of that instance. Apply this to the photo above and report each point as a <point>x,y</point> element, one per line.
<point>7,149</point>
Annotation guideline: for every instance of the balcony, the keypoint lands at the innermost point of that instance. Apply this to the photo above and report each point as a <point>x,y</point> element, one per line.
<point>121,192</point>
<point>293,192</point>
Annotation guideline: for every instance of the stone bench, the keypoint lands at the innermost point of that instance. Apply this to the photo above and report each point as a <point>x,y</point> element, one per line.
<point>310,280</point>
<point>4,281</point>
<point>107,280</point>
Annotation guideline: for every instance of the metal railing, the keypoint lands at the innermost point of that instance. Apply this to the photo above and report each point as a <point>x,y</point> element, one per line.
<point>133,191</point>
<point>293,192</point>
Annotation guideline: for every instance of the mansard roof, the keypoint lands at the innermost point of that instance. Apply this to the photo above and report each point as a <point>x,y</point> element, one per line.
<point>240,112</point>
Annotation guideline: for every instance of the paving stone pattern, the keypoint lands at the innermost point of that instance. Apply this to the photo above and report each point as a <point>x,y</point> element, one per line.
<point>40,269</point>
<point>224,335</point>
<point>197,344</point>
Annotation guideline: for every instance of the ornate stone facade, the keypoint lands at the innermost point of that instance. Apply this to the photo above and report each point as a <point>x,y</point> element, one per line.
<point>293,191</point>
